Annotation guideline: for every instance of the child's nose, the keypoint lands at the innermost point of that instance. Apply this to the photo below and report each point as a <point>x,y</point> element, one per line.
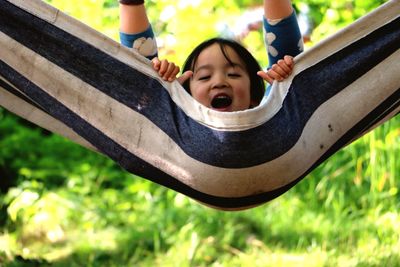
<point>220,81</point>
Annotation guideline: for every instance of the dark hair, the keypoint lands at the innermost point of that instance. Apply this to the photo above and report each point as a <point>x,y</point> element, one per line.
<point>257,86</point>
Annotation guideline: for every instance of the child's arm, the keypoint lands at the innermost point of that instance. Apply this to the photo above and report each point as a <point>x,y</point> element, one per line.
<point>135,29</point>
<point>133,18</point>
<point>136,32</point>
<point>277,9</point>
<point>282,37</point>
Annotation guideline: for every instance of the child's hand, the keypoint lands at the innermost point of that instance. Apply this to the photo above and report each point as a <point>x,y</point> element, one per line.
<point>167,70</point>
<point>279,71</point>
<point>185,76</point>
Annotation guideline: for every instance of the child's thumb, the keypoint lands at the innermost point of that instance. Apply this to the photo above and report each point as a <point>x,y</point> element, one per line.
<point>185,76</point>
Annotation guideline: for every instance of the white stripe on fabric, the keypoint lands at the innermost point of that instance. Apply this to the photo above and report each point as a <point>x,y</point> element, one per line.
<point>144,139</point>
<point>25,110</point>
<point>232,121</point>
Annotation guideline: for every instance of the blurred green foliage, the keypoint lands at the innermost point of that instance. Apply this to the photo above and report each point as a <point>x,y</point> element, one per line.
<point>62,205</point>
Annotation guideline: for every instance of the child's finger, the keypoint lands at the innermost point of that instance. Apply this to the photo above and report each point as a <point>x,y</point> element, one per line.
<point>265,76</point>
<point>163,67</point>
<point>289,60</point>
<point>170,69</point>
<point>156,63</point>
<point>174,73</point>
<point>277,71</point>
<point>284,68</point>
<point>185,76</point>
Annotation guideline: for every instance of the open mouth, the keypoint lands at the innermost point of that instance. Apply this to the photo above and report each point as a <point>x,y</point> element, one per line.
<point>221,101</point>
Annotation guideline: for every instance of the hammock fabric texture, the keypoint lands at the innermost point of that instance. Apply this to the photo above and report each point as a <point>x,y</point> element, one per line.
<point>70,79</point>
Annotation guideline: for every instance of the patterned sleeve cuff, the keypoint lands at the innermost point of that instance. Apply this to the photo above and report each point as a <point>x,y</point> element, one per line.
<point>282,37</point>
<point>143,42</point>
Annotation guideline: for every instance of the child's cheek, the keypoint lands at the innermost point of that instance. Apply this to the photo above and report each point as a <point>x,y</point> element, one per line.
<point>200,95</point>
<point>243,93</point>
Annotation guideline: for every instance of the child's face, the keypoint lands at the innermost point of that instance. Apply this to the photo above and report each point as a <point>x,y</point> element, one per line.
<point>219,85</point>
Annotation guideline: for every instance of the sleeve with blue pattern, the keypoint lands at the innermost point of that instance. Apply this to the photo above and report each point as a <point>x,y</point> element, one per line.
<point>143,42</point>
<point>282,37</point>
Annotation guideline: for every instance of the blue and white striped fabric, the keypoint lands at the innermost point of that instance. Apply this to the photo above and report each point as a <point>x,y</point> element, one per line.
<point>66,77</point>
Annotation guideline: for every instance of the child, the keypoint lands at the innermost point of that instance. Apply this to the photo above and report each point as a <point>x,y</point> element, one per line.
<point>221,74</point>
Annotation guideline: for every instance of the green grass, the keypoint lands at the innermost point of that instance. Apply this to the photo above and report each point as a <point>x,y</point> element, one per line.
<point>343,214</point>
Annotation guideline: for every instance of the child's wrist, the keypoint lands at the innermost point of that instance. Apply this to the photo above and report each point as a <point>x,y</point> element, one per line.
<point>131,2</point>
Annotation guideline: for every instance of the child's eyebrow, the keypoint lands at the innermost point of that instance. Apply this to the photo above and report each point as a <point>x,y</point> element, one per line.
<point>234,65</point>
<point>227,65</point>
<point>207,66</point>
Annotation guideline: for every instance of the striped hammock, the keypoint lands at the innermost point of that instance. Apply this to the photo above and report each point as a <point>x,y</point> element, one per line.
<point>64,76</point>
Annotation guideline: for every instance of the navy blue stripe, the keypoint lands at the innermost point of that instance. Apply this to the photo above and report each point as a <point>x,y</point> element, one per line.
<point>139,167</point>
<point>384,109</point>
<point>380,112</point>
<point>106,145</point>
<point>383,113</point>
<point>309,90</point>
<point>18,94</point>
<point>116,152</point>
<point>145,95</point>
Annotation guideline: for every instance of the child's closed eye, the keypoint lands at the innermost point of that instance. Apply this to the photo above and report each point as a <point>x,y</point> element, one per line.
<point>202,78</point>
<point>234,75</point>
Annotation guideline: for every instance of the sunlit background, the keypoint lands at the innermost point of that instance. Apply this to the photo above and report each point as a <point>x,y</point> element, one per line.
<point>62,205</point>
